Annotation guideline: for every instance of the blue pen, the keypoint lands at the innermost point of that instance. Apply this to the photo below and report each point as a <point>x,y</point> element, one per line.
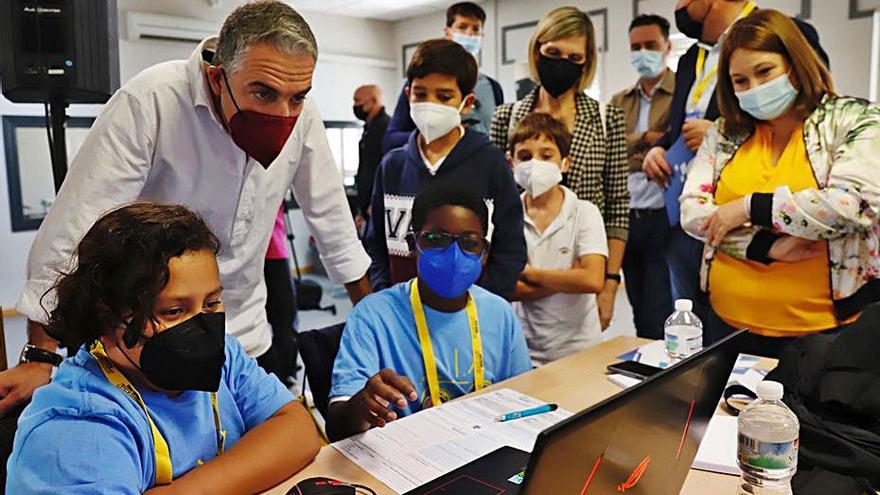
<point>527,412</point>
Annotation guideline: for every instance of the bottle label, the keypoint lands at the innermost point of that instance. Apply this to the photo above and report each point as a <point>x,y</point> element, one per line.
<point>767,455</point>
<point>683,340</point>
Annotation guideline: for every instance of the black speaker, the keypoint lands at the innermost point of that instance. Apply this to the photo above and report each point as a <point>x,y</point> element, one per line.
<point>59,50</point>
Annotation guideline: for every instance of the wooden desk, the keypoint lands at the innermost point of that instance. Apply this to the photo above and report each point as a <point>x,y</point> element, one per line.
<point>574,383</point>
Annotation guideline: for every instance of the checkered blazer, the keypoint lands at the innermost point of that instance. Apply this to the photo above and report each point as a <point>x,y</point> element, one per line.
<point>599,169</point>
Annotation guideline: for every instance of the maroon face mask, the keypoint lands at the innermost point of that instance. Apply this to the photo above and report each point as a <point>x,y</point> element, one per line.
<point>260,135</point>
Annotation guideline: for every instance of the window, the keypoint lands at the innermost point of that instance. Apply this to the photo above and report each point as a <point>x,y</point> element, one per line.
<point>29,167</point>
<point>344,138</point>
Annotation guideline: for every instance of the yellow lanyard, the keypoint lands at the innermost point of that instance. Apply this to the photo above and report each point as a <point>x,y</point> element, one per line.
<point>428,349</point>
<point>708,78</point>
<point>163,455</point>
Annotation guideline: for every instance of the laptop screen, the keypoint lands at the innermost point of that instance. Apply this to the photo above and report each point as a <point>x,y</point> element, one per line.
<point>641,441</point>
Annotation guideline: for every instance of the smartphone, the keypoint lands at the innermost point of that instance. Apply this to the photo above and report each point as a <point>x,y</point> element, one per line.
<point>634,369</point>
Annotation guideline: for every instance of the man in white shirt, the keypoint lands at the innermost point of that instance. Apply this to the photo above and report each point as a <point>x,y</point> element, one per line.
<point>225,134</point>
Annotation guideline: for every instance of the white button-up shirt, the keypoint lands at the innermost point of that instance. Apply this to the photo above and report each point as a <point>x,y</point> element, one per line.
<point>158,139</point>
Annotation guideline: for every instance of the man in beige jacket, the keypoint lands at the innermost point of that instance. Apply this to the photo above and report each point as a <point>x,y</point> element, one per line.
<point>646,113</point>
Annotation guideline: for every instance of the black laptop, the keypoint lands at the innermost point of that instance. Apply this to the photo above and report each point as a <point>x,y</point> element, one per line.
<point>642,440</point>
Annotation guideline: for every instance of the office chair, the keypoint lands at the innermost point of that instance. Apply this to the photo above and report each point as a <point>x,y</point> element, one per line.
<point>318,349</point>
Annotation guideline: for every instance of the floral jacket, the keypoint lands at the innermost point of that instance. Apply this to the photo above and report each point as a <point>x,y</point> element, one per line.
<point>842,138</point>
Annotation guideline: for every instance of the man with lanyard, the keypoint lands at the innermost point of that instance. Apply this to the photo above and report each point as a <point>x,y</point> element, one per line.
<point>693,111</point>
<point>225,133</point>
<point>465,22</point>
<point>431,339</point>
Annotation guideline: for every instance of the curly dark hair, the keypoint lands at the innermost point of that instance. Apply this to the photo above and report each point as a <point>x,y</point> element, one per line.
<point>121,267</point>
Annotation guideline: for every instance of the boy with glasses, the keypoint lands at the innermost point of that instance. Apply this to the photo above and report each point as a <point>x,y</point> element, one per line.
<point>431,339</point>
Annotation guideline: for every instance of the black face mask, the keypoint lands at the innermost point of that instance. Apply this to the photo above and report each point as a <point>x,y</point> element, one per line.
<point>359,112</point>
<point>558,75</point>
<point>187,356</point>
<point>688,26</point>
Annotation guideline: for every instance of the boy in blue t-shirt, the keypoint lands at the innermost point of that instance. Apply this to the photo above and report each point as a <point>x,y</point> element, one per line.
<point>413,345</point>
<point>156,397</point>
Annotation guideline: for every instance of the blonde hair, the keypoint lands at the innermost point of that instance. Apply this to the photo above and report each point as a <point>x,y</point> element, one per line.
<point>768,30</point>
<point>560,23</point>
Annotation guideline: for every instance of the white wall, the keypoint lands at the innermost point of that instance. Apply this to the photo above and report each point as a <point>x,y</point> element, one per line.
<point>350,53</point>
<point>846,40</point>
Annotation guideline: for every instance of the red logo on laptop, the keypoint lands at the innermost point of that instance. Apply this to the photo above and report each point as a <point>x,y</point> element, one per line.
<point>635,476</point>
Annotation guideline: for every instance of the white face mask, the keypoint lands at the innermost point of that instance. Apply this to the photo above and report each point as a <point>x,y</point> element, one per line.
<point>434,120</point>
<point>537,176</point>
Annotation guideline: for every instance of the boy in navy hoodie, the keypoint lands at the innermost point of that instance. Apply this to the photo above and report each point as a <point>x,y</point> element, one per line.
<point>441,79</point>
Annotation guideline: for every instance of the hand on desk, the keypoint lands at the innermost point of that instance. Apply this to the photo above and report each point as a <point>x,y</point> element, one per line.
<point>382,389</point>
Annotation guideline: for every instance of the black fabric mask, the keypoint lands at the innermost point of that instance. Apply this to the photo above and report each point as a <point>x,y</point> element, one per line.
<point>558,75</point>
<point>187,356</point>
<point>359,112</point>
<point>688,26</point>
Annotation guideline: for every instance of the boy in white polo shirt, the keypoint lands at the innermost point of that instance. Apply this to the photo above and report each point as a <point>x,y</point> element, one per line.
<point>567,247</point>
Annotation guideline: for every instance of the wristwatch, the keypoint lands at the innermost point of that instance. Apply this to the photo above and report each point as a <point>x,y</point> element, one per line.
<point>33,354</point>
<point>613,276</point>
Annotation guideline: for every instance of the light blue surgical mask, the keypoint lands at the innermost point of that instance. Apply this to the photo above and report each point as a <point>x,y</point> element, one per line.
<point>769,100</point>
<point>648,63</point>
<point>470,43</point>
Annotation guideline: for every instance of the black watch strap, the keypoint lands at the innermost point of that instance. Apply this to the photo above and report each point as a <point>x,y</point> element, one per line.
<point>613,276</point>
<point>33,354</point>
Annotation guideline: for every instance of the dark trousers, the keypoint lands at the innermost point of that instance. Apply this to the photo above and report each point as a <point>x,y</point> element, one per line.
<point>684,255</point>
<point>647,272</point>
<point>715,329</point>
<point>281,313</point>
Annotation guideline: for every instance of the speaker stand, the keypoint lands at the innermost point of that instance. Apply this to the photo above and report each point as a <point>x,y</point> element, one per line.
<point>58,117</point>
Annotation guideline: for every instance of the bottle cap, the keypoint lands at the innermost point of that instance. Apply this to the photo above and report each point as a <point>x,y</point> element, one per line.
<point>684,305</point>
<point>768,390</point>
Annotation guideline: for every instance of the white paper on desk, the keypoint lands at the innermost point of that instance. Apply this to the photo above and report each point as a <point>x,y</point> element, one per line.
<point>414,450</point>
<point>623,381</point>
<point>718,449</point>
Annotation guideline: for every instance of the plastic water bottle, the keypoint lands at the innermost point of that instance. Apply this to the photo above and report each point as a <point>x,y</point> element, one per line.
<point>683,331</point>
<point>767,450</point>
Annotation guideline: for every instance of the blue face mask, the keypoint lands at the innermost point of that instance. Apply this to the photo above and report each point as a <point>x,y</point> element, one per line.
<point>769,100</point>
<point>648,63</point>
<point>449,272</point>
<point>470,43</point>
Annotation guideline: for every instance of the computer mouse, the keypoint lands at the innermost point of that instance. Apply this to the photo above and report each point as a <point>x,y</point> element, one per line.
<point>322,486</point>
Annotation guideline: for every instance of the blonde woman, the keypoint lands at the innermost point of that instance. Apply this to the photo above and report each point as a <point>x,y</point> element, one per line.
<point>562,60</point>
<point>785,191</point>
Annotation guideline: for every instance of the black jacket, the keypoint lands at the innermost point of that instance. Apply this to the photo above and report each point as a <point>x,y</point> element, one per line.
<point>684,80</point>
<point>370,154</point>
<point>833,386</point>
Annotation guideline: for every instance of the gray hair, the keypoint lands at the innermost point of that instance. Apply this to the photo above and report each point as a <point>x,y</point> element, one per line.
<point>263,21</point>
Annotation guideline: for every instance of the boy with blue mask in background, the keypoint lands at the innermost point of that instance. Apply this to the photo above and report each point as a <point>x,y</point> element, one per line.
<point>431,339</point>
<point>465,25</point>
<point>442,77</point>
<point>646,107</point>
